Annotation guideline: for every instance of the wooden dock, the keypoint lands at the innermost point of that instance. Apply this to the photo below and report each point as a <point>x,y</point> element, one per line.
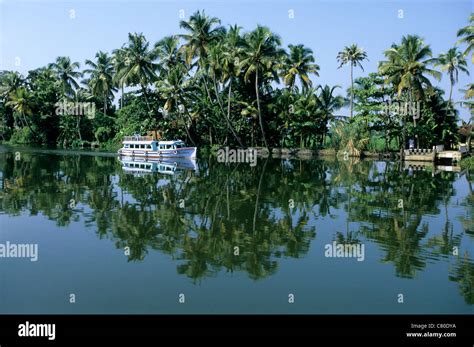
<point>430,155</point>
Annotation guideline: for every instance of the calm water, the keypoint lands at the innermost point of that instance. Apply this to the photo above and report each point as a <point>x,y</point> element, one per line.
<point>132,243</point>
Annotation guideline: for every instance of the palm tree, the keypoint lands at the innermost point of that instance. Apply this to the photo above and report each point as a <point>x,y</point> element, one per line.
<point>139,67</point>
<point>467,37</point>
<point>21,102</point>
<point>299,62</point>
<point>175,88</point>
<point>452,62</point>
<point>354,55</point>
<point>260,55</point>
<point>66,73</point>
<point>9,82</point>
<point>167,51</point>
<point>327,104</point>
<point>101,80</point>
<point>203,31</point>
<point>232,49</point>
<point>119,62</point>
<point>405,69</point>
<point>407,66</point>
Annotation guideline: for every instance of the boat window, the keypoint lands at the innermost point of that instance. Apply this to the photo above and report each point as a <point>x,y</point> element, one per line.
<point>179,145</point>
<point>162,146</point>
<point>125,146</point>
<point>148,146</point>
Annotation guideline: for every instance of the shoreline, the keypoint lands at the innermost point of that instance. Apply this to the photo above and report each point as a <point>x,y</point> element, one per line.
<point>275,153</point>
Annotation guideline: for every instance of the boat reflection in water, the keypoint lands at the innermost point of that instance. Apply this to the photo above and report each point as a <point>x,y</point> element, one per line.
<point>168,166</point>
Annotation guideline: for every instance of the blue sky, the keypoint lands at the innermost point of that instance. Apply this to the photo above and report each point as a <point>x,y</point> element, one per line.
<point>34,33</point>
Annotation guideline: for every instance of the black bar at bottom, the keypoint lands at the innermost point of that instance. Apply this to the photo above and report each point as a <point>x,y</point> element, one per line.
<point>369,328</point>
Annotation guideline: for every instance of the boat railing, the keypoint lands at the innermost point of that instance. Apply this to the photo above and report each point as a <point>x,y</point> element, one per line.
<point>138,138</point>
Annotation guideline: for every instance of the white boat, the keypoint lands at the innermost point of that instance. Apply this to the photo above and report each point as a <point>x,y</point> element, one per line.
<point>148,147</point>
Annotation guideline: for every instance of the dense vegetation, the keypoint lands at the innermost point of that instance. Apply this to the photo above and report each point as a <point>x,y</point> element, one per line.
<point>214,85</point>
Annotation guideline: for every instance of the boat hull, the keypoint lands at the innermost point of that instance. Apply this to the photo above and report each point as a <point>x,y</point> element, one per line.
<point>186,152</point>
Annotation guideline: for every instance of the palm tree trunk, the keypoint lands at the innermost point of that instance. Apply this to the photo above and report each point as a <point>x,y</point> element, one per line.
<point>105,104</point>
<point>450,94</point>
<point>185,125</point>
<point>352,88</point>
<point>145,94</point>
<point>228,115</point>
<point>258,107</point>
<point>29,127</point>
<point>121,99</point>
<point>414,119</point>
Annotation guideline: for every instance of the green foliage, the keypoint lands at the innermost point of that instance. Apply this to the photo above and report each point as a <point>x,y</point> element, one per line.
<point>467,163</point>
<point>210,85</point>
<point>21,136</point>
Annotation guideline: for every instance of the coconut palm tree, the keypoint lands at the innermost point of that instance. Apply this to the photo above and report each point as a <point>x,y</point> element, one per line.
<point>203,31</point>
<point>260,55</point>
<point>327,104</point>
<point>353,55</point>
<point>9,82</point>
<point>21,102</point>
<point>167,51</point>
<point>232,49</point>
<point>101,78</point>
<point>119,63</point>
<point>452,62</point>
<point>66,74</point>
<point>139,67</point>
<point>175,89</point>
<point>406,68</point>
<point>299,62</point>
<point>467,36</point>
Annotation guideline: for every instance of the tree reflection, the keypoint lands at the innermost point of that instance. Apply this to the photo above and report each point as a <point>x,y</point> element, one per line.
<point>238,218</point>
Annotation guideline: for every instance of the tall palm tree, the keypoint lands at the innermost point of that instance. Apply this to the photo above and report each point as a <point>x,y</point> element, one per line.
<point>139,67</point>
<point>203,31</point>
<point>467,36</point>
<point>406,68</point>
<point>101,78</point>
<point>452,62</point>
<point>260,55</point>
<point>9,82</point>
<point>327,104</point>
<point>21,102</point>
<point>232,49</point>
<point>119,62</point>
<point>299,62</point>
<point>167,51</point>
<point>354,55</point>
<point>175,89</point>
<point>66,73</point>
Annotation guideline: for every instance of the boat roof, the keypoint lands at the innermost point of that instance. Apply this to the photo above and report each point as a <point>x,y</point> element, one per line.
<point>159,142</point>
<point>170,142</point>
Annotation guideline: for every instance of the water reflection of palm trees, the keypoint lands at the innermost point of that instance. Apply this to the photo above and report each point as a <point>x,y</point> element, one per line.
<point>199,218</point>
